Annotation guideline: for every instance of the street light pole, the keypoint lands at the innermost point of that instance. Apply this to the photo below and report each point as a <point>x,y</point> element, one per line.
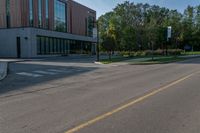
<point>97,41</point>
<point>97,45</point>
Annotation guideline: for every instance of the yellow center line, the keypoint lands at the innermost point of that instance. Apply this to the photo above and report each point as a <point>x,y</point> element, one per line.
<point>103,116</point>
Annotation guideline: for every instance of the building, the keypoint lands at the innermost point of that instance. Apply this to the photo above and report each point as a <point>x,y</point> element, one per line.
<point>39,28</point>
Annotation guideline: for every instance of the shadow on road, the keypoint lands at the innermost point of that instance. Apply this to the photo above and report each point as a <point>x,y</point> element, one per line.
<point>195,60</point>
<point>45,71</point>
<point>68,68</point>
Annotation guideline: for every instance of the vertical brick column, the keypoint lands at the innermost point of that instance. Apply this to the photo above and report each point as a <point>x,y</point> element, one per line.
<point>35,13</point>
<point>51,14</point>
<point>2,13</point>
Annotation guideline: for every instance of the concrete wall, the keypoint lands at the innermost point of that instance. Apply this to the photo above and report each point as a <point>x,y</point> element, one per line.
<point>28,38</point>
<point>8,42</point>
<point>7,39</point>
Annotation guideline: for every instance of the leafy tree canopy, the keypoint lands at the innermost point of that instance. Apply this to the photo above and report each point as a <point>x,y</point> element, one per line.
<point>134,26</point>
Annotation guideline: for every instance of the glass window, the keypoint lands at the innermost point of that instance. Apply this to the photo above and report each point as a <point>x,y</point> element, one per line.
<point>58,46</point>
<point>8,7</point>
<point>90,26</point>
<point>31,12</point>
<point>47,45</point>
<point>8,13</point>
<point>51,45</point>
<point>60,16</point>
<point>65,46</point>
<point>86,26</point>
<point>40,13</point>
<point>55,45</point>
<point>47,13</point>
<point>62,46</point>
<point>38,45</point>
<point>43,48</point>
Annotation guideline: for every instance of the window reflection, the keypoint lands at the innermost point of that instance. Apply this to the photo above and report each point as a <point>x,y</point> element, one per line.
<point>60,16</point>
<point>31,12</point>
<point>52,45</point>
<point>40,13</point>
<point>47,13</point>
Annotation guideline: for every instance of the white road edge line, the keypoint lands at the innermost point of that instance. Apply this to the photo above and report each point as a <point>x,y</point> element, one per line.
<point>29,74</point>
<point>45,72</point>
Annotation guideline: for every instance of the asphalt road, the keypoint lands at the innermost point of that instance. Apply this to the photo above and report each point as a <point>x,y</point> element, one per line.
<point>87,98</point>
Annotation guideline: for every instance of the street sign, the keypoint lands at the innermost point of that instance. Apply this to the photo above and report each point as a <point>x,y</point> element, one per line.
<point>169,32</point>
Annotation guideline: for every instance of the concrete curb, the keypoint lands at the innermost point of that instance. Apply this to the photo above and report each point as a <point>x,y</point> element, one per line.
<point>98,63</point>
<point>3,70</point>
<point>18,60</point>
<point>190,56</point>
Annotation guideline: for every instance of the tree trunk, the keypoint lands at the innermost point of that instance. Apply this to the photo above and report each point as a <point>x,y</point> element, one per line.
<point>109,54</point>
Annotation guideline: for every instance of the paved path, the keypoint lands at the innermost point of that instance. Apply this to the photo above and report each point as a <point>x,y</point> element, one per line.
<point>136,60</point>
<point>142,99</point>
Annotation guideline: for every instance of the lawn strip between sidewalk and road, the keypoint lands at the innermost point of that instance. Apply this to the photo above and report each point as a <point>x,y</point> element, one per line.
<point>162,60</point>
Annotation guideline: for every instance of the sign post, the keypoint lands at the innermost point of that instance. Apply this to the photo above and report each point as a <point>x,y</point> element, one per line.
<point>169,32</point>
<point>169,36</point>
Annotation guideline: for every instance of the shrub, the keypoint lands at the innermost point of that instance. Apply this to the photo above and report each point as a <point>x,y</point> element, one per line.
<point>158,52</point>
<point>175,51</point>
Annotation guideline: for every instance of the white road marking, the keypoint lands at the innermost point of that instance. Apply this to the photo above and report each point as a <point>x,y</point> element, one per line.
<point>45,72</point>
<point>78,70</point>
<point>40,73</point>
<point>29,74</point>
<point>59,71</point>
<point>66,71</point>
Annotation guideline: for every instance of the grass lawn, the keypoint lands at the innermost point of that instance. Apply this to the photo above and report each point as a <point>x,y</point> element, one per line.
<point>191,53</point>
<point>161,60</point>
<point>115,59</point>
<point>147,59</point>
<point>124,58</point>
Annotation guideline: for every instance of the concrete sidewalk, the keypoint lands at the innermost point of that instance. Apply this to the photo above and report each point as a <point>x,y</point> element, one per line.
<point>136,60</point>
<point>189,56</point>
<point>18,60</point>
<point>3,70</point>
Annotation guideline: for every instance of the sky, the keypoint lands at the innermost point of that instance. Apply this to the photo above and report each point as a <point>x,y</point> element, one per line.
<point>103,6</point>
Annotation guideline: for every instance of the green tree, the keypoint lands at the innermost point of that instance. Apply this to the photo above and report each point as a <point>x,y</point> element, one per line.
<point>134,26</point>
<point>108,44</point>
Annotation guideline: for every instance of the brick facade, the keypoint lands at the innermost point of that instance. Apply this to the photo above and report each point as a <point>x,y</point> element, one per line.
<point>77,15</point>
<point>2,14</point>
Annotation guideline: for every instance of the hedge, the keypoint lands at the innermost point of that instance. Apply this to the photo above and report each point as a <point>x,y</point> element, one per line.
<point>149,52</point>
